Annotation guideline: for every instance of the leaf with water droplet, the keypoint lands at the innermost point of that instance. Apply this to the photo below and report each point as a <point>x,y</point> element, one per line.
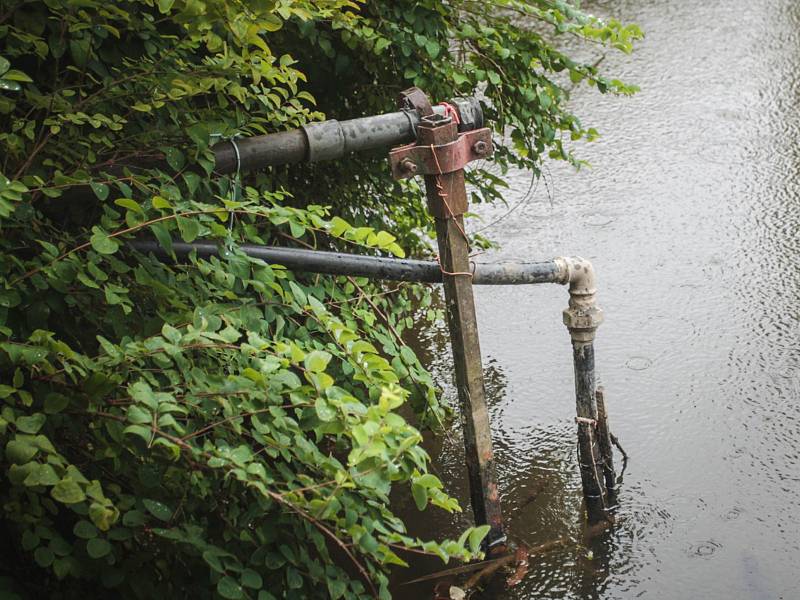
<point>9,86</point>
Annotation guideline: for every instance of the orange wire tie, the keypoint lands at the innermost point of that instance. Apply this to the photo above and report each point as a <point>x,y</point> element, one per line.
<point>469,274</point>
<point>450,111</point>
<point>443,196</point>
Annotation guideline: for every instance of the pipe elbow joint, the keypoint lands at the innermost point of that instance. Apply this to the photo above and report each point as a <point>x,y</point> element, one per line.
<point>582,317</point>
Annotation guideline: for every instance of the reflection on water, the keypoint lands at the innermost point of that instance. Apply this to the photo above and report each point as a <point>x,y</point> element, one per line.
<point>691,214</point>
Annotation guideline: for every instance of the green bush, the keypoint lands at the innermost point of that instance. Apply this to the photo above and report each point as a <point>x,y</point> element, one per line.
<point>224,427</point>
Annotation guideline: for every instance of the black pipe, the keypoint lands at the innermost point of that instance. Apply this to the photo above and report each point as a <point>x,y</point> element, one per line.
<point>589,454</point>
<point>331,139</point>
<point>313,261</point>
<point>521,273</point>
<point>339,263</point>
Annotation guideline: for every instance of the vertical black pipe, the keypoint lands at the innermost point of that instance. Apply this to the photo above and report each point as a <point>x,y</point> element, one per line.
<point>589,456</point>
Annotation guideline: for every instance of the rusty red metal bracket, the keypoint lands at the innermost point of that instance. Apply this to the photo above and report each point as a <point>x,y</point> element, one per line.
<point>413,159</point>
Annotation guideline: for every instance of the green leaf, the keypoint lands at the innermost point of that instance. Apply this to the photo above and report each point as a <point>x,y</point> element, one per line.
<point>161,202</point>
<point>102,243</point>
<point>145,433</point>
<point>212,560</point>
<point>317,361</point>
<point>85,530</point>
<point>293,579</point>
<point>251,579</point>
<point>20,451</point>
<point>336,588</point>
<point>175,158</point>
<point>420,494</point>
<point>42,474</point>
<point>432,48</point>
<point>229,588</point>
<point>102,516</point>
<point>137,414</point>
<point>68,491</point>
<point>100,189</point>
<point>15,75</point>
<point>130,204</point>
<point>55,402</point>
<point>98,548</point>
<point>43,556</point>
<point>134,518</point>
<point>30,540</point>
<point>324,411</point>
<point>158,509</point>
<point>9,86</point>
<point>476,537</point>
<point>31,424</point>
<point>62,567</point>
<point>164,6</point>
<point>189,229</point>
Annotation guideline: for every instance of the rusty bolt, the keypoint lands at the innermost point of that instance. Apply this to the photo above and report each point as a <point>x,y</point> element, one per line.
<point>408,166</point>
<point>480,148</point>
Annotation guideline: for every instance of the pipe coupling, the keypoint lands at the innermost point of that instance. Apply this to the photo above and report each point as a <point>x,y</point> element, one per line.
<point>582,323</point>
<point>326,140</point>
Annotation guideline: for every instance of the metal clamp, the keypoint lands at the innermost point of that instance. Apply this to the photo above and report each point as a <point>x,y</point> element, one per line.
<point>415,99</point>
<point>407,161</point>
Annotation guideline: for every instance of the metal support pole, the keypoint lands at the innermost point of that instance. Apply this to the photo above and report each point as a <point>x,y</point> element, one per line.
<point>447,200</point>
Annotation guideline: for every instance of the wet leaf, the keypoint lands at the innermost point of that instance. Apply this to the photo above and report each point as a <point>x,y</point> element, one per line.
<point>158,509</point>
<point>68,491</point>
<point>98,548</point>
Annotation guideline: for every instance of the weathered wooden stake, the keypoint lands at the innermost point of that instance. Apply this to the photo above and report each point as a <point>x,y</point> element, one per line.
<point>606,452</point>
<point>447,201</point>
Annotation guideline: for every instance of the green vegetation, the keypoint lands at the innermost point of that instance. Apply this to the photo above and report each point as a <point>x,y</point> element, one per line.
<point>224,427</point>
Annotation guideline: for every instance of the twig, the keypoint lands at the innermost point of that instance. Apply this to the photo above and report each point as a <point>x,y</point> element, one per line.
<point>483,565</point>
<point>615,441</point>
<point>497,564</point>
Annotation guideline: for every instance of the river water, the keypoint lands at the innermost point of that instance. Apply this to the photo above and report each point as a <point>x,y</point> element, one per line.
<point>691,215</point>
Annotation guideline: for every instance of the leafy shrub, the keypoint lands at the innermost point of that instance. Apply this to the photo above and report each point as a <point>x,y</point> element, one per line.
<point>222,426</point>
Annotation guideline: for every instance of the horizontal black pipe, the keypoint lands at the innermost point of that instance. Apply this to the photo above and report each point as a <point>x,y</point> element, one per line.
<point>338,263</point>
<point>331,139</point>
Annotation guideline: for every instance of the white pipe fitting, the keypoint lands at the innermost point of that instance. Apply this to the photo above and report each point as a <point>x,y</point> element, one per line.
<point>582,317</point>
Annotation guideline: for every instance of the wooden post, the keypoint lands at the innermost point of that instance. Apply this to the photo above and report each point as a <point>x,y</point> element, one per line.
<point>447,201</point>
<point>606,452</point>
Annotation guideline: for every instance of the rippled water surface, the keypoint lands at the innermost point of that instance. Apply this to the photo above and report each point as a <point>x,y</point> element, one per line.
<point>691,215</point>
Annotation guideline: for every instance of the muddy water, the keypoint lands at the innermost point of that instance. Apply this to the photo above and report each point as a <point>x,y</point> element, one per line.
<point>691,214</point>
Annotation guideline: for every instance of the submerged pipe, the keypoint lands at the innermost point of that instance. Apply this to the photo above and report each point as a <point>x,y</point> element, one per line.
<point>582,318</point>
<point>331,139</point>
